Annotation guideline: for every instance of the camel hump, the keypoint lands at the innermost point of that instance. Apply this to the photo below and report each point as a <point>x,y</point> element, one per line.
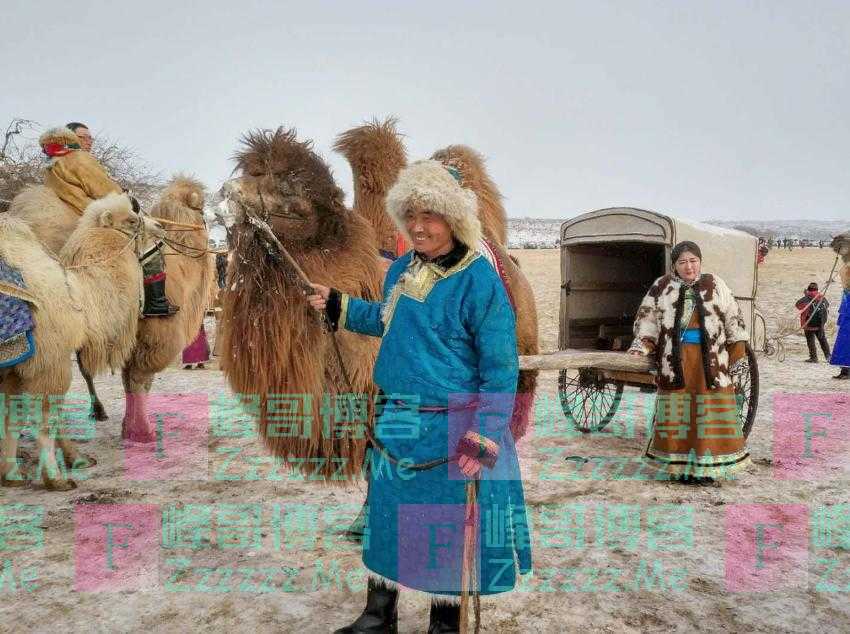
<point>12,230</point>
<point>186,190</point>
<point>50,217</point>
<point>376,155</point>
<point>35,199</point>
<point>470,164</point>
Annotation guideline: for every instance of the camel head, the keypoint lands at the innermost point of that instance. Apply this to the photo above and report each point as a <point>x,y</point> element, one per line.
<point>186,191</point>
<point>129,223</point>
<point>841,245</point>
<point>115,211</point>
<point>285,183</point>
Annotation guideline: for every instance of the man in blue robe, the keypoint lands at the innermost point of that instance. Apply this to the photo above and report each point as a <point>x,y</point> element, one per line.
<point>447,370</point>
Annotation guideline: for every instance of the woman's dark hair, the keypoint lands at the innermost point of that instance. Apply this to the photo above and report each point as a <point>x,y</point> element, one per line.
<point>682,247</point>
<point>74,125</point>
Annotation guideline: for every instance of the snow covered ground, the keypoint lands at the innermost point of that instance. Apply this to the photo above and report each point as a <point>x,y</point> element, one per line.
<point>603,562</point>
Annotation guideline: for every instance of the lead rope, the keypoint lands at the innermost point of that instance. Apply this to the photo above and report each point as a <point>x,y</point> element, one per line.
<point>469,578</point>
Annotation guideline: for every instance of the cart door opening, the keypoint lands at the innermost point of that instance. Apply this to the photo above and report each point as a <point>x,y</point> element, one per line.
<point>604,285</point>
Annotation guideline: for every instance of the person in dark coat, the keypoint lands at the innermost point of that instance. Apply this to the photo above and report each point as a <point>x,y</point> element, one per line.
<point>814,308</point>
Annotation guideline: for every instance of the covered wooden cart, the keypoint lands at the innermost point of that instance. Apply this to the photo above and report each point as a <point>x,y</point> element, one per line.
<point>609,259</point>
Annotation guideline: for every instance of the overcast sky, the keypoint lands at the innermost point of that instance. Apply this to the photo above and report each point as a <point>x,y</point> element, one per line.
<point>708,110</point>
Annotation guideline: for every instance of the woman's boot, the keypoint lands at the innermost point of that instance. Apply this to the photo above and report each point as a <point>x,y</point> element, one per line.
<point>380,615</point>
<point>445,618</point>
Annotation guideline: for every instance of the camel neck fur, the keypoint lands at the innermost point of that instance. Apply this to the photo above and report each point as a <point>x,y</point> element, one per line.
<point>105,279</point>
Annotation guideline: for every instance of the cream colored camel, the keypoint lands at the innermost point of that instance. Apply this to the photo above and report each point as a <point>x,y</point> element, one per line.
<point>190,277</point>
<point>189,284</point>
<point>88,300</point>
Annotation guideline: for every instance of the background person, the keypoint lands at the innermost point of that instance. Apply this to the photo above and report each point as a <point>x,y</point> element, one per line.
<point>78,179</point>
<point>814,308</point>
<point>83,134</point>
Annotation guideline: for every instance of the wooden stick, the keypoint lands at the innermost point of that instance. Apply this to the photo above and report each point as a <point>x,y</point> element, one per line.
<point>469,573</point>
<point>599,359</point>
<point>267,230</point>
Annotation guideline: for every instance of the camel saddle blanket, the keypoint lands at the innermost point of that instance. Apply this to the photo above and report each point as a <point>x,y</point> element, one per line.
<point>16,321</point>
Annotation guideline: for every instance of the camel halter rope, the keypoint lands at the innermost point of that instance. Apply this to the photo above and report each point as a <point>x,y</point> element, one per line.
<point>181,248</point>
<point>469,581</point>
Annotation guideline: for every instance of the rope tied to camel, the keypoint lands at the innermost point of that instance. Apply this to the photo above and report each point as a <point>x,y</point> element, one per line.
<point>181,248</point>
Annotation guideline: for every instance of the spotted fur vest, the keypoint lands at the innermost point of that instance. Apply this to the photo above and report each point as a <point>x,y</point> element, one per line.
<point>720,324</point>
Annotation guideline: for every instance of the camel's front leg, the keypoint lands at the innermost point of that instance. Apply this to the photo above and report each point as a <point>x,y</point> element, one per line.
<point>136,426</point>
<point>10,473</point>
<point>54,477</point>
<point>98,411</point>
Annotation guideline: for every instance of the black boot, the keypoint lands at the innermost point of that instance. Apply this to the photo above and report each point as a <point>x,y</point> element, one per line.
<point>380,615</point>
<point>156,304</point>
<point>445,619</point>
<point>153,270</point>
<point>844,374</point>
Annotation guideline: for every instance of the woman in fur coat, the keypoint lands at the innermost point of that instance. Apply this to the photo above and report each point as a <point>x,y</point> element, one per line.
<point>690,322</point>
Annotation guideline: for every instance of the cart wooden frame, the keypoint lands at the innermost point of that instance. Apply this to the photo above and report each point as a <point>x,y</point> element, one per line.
<point>609,259</point>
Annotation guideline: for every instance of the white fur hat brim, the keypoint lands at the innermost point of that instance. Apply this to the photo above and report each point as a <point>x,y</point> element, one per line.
<point>61,135</point>
<point>429,185</point>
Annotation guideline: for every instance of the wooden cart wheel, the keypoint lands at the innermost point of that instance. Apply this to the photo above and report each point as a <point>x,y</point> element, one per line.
<point>588,399</point>
<point>745,378</point>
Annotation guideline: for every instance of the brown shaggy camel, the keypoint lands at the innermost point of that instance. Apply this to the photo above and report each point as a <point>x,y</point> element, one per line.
<point>474,176</point>
<point>376,154</point>
<point>88,300</point>
<point>190,275</point>
<point>272,343</point>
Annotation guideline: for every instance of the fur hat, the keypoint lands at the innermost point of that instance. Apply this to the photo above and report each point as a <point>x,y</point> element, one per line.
<point>61,136</point>
<point>58,141</point>
<point>429,185</point>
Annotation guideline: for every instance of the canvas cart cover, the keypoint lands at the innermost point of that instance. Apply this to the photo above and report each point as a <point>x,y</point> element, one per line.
<point>728,253</point>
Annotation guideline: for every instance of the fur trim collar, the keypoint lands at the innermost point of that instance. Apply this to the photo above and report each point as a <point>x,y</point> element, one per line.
<point>429,185</point>
<point>720,324</point>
